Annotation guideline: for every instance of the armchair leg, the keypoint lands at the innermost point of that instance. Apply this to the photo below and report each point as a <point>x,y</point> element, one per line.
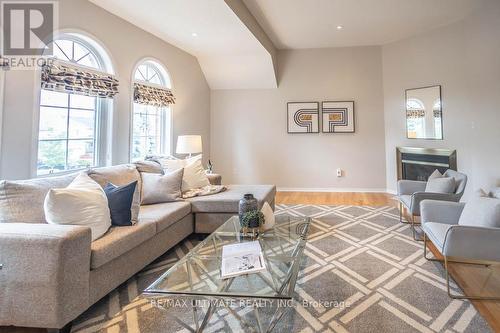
<point>425,250</point>
<point>454,296</point>
<point>413,230</point>
<point>401,209</point>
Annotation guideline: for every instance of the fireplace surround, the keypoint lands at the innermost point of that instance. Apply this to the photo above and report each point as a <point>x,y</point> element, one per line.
<point>418,163</point>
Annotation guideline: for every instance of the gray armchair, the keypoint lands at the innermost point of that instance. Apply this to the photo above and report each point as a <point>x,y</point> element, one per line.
<point>474,241</point>
<point>411,193</point>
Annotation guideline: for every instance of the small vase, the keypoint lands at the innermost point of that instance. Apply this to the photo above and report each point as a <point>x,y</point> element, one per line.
<point>247,204</point>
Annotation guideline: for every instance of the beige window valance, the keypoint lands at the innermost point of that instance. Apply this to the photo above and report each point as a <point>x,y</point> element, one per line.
<point>415,113</point>
<point>65,78</point>
<point>153,95</point>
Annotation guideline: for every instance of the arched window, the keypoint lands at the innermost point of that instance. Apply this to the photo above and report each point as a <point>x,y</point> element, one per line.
<point>151,120</point>
<point>71,124</point>
<point>415,118</point>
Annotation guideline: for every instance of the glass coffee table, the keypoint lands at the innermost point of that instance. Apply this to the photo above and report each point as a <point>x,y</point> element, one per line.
<point>196,279</point>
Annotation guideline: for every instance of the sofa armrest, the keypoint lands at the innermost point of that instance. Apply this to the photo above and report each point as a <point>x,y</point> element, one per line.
<point>408,187</point>
<point>418,197</point>
<point>214,179</point>
<point>473,243</point>
<point>441,211</point>
<point>45,276</point>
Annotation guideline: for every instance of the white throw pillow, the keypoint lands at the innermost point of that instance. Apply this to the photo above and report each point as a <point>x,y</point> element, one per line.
<point>83,202</point>
<point>194,175</point>
<point>173,164</point>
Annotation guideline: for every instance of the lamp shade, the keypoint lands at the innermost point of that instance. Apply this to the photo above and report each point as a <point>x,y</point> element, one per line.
<point>188,144</point>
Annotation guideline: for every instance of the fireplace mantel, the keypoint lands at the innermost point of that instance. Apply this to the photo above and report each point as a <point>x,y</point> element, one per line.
<point>418,163</point>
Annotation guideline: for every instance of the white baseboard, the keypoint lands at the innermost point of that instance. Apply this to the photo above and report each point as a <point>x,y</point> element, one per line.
<point>333,189</point>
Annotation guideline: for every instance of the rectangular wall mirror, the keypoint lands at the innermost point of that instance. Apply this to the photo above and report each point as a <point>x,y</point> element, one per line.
<point>424,119</point>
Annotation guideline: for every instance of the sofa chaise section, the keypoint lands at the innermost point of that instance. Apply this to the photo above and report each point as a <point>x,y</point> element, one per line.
<point>212,211</point>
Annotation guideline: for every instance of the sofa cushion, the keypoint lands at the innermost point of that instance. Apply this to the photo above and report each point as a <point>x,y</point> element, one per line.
<point>21,201</point>
<point>120,175</point>
<point>119,240</point>
<point>481,212</point>
<point>436,233</point>
<point>227,201</point>
<point>165,214</point>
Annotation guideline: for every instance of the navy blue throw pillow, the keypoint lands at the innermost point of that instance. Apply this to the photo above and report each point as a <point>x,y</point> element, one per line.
<point>120,202</point>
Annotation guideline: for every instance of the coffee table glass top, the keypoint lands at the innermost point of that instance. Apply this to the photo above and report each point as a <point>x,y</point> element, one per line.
<point>198,273</point>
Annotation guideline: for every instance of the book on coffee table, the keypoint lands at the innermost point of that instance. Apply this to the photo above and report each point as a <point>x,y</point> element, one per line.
<point>242,258</point>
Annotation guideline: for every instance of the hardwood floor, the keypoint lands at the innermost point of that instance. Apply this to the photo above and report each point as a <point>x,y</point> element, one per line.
<point>472,279</point>
<point>336,198</point>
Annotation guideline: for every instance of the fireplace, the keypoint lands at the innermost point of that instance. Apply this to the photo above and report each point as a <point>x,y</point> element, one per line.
<point>419,163</point>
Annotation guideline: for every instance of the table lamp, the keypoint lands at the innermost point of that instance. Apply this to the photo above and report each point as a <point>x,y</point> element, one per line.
<point>189,144</point>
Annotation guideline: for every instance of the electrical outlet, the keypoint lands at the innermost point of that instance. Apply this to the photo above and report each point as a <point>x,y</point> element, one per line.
<point>339,172</point>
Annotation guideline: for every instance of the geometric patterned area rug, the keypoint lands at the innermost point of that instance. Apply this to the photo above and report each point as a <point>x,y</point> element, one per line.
<point>362,272</point>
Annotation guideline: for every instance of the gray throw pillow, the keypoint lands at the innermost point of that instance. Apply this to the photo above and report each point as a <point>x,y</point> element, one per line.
<point>441,185</point>
<point>435,174</point>
<point>161,188</point>
<point>481,211</point>
<point>21,201</point>
<point>437,183</point>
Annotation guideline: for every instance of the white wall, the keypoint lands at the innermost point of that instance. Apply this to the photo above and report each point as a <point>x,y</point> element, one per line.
<point>464,58</point>
<point>249,140</point>
<point>126,44</point>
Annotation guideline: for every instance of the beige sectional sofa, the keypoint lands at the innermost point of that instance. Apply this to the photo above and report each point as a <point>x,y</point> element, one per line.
<point>53,273</point>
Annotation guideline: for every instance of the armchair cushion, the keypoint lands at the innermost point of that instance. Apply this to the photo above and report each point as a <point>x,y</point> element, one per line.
<point>436,233</point>
<point>481,212</point>
<point>477,243</point>
<point>418,197</point>
<point>408,187</point>
<point>441,211</point>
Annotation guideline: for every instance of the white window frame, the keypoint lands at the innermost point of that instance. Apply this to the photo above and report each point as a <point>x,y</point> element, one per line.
<point>104,107</point>
<point>166,117</point>
<point>2,88</point>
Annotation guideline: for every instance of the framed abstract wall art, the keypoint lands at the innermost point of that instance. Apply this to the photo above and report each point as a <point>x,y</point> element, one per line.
<point>303,117</point>
<point>338,116</point>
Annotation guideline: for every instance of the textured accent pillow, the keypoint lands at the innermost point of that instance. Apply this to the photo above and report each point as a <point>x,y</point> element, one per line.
<point>150,166</point>
<point>120,175</point>
<point>21,201</point>
<point>481,211</point>
<point>194,176</point>
<point>119,202</point>
<point>161,188</point>
<point>83,203</point>
<point>437,183</point>
<point>170,164</point>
